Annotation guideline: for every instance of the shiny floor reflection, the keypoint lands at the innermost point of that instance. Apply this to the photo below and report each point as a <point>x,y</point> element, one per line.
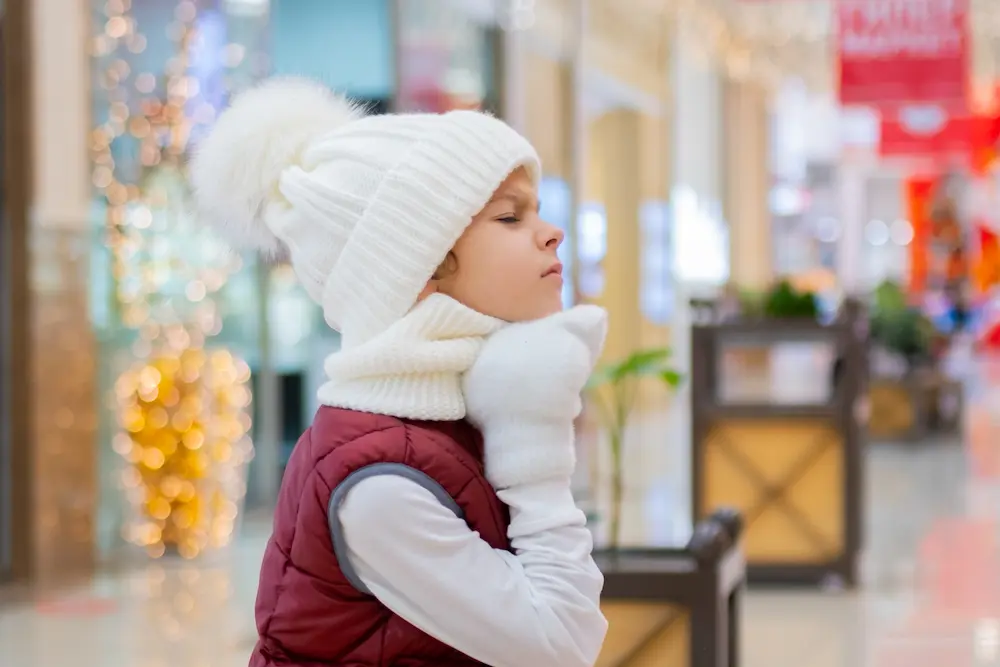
<point>931,593</point>
<point>162,615</point>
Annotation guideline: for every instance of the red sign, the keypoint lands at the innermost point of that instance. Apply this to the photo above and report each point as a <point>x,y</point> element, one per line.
<point>902,51</point>
<point>929,131</point>
<point>925,131</point>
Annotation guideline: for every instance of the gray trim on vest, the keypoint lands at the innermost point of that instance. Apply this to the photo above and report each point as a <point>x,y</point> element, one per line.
<point>374,470</point>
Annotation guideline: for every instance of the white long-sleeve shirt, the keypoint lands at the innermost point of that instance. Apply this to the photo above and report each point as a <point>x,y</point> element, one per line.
<point>536,607</point>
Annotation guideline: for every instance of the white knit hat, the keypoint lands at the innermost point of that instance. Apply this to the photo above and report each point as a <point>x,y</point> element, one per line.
<point>366,207</point>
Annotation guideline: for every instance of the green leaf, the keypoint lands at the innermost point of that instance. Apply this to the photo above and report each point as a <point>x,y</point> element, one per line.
<point>671,378</point>
<point>600,377</point>
<point>890,298</point>
<point>783,300</point>
<point>641,362</point>
<point>652,362</point>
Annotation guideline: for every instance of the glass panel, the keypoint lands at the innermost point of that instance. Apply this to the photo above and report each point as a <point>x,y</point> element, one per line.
<point>756,369</point>
<point>288,373</point>
<point>161,283</point>
<point>556,208</point>
<point>321,40</point>
<point>657,261</point>
<point>445,59</point>
<point>346,44</point>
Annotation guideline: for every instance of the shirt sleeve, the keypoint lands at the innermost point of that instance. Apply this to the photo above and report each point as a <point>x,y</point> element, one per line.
<point>537,606</point>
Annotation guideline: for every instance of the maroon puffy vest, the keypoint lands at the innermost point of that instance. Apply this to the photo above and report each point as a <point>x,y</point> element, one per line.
<point>309,614</point>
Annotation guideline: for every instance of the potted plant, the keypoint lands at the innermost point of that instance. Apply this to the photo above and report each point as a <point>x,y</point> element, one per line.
<point>784,301</point>
<point>752,303</point>
<point>614,389</point>
<point>900,329</point>
<point>908,393</point>
<point>655,586</point>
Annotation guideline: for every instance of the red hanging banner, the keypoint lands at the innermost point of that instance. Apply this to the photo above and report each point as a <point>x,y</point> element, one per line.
<point>939,134</point>
<point>903,51</point>
<point>931,132</point>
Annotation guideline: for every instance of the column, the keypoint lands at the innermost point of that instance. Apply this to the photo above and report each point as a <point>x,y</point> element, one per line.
<point>60,400</point>
<point>653,240</point>
<point>513,71</point>
<point>747,185</point>
<point>850,243</point>
<point>549,124</point>
<point>15,452</point>
<point>616,141</point>
<point>548,112</point>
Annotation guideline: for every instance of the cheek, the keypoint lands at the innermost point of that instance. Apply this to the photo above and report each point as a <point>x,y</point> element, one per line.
<point>508,262</point>
<point>496,272</point>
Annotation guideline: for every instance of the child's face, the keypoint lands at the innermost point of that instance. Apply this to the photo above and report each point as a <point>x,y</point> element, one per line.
<point>506,259</point>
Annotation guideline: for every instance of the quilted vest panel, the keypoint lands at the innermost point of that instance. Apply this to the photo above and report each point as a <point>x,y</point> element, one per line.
<point>308,613</point>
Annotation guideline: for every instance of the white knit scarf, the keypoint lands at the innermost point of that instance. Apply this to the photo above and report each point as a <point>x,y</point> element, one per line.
<point>413,369</point>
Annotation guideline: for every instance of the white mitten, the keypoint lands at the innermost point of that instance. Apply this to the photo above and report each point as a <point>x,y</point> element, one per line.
<point>523,393</point>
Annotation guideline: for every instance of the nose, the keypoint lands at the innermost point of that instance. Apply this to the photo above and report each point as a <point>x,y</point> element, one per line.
<point>550,236</point>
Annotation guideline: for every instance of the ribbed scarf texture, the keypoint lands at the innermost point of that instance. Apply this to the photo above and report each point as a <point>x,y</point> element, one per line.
<point>414,368</point>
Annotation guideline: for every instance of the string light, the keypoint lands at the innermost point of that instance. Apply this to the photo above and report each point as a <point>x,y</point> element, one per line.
<point>182,407</point>
<point>184,433</point>
<point>797,37</point>
<point>724,39</point>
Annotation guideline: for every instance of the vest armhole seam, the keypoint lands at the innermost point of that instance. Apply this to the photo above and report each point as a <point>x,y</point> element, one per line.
<point>339,493</point>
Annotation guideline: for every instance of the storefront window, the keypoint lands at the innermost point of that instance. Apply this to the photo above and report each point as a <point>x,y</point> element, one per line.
<point>592,246</point>
<point>162,73</point>
<point>160,280</point>
<point>548,119</point>
<point>346,44</point>
<point>446,58</point>
<point>701,250</point>
<point>181,61</point>
<point>887,233</point>
<point>657,262</point>
<point>557,209</point>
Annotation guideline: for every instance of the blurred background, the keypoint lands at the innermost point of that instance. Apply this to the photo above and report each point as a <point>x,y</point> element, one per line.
<point>793,204</point>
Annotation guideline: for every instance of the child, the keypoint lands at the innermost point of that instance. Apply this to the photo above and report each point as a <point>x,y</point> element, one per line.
<point>425,518</point>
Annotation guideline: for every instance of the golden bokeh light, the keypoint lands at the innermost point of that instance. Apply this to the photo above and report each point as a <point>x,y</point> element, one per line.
<point>181,407</point>
<point>185,442</point>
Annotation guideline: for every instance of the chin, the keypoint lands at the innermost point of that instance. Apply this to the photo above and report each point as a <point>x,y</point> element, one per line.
<point>533,306</point>
<point>551,307</point>
<point>536,312</point>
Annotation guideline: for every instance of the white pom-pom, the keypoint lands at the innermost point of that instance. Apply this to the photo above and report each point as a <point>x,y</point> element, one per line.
<point>236,168</point>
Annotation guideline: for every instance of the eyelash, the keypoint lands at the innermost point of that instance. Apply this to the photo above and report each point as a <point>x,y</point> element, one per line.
<point>510,219</point>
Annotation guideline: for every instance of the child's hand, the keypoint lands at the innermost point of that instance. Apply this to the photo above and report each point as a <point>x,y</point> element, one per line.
<point>523,393</point>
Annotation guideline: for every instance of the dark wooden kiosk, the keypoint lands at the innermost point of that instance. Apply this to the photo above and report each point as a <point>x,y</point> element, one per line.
<point>792,467</point>
<point>911,406</point>
<point>675,607</point>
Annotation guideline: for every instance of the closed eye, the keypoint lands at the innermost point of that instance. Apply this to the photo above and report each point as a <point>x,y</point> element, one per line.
<point>510,219</point>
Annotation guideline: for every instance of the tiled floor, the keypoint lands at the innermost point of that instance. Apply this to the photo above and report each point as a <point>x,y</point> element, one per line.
<point>931,596</point>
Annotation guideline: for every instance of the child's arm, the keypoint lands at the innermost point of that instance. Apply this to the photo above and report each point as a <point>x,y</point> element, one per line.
<point>537,607</point>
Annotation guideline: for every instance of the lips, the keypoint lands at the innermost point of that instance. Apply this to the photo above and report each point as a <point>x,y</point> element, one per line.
<point>556,269</point>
